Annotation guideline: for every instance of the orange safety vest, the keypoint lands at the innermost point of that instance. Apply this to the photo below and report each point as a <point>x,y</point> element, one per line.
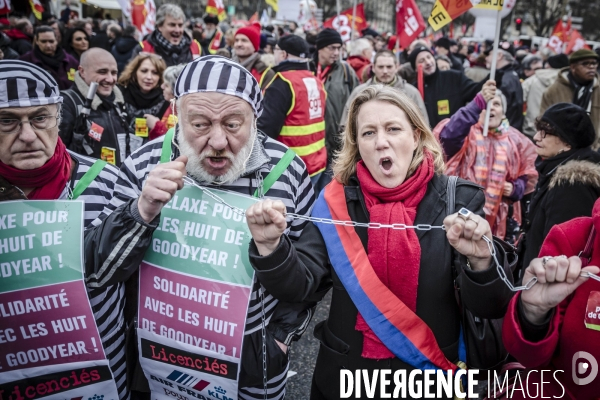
<point>304,127</point>
<point>195,48</point>
<point>215,43</point>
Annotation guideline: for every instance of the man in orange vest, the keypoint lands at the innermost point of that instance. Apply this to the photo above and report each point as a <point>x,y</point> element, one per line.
<point>169,40</point>
<point>246,46</point>
<point>294,105</point>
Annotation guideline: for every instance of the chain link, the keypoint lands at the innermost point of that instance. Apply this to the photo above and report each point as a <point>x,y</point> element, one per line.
<point>374,225</point>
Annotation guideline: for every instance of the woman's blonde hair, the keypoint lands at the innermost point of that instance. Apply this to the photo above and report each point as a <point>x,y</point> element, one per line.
<point>130,72</point>
<point>344,165</point>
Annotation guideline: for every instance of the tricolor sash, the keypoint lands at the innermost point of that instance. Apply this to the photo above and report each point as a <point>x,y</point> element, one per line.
<point>397,326</point>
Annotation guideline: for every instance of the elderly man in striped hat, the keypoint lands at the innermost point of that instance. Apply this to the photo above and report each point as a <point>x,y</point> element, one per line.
<point>217,145</point>
<point>35,165</point>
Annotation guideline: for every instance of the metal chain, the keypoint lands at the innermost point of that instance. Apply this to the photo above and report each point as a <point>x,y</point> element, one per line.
<point>261,289</point>
<point>374,225</point>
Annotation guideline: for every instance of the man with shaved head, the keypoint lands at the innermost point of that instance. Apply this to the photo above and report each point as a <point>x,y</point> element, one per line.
<point>106,133</point>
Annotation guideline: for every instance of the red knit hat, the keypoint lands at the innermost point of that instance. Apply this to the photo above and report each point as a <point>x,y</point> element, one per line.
<point>252,32</point>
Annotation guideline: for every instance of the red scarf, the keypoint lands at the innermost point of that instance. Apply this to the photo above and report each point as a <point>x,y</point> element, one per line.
<point>49,180</point>
<point>395,255</point>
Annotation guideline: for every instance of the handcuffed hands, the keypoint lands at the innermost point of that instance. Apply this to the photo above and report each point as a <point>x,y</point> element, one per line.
<point>162,183</point>
<point>266,220</point>
<point>557,278</point>
<point>465,234</point>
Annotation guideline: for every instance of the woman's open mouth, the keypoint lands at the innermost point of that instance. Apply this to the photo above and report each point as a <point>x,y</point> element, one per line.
<point>386,164</point>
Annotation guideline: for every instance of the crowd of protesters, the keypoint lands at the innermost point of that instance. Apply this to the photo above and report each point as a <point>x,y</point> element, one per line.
<point>382,126</point>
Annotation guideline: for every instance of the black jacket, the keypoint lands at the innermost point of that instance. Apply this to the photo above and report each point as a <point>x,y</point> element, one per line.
<point>101,40</point>
<point>303,272</point>
<point>510,85</point>
<point>9,52</point>
<point>278,100</point>
<point>568,187</point>
<point>122,50</point>
<point>446,92</point>
<point>109,115</point>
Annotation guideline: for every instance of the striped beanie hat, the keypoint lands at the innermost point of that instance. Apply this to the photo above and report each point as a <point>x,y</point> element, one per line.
<point>221,75</point>
<point>23,84</point>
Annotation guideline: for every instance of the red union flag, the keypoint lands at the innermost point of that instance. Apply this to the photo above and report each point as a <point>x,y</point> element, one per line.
<point>577,42</point>
<point>343,23</point>
<point>558,37</point>
<point>409,21</point>
<point>142,14</point>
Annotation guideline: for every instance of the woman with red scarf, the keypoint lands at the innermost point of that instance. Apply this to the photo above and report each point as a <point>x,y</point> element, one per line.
<point>393,304</point>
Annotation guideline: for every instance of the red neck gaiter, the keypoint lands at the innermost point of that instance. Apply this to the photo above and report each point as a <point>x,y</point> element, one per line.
<point>49,180</point>
<point>395,255</point>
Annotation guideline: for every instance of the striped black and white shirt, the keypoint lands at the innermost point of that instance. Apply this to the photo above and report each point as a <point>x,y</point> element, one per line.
<point>107,303</point>
<point>293,188</point>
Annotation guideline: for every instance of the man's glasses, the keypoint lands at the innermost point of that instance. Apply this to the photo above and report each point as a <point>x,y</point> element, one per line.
<point>589,64</point>
<point>40,123</point>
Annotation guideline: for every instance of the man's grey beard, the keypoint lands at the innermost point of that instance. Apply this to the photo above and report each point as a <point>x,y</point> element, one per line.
<point>196,170</point>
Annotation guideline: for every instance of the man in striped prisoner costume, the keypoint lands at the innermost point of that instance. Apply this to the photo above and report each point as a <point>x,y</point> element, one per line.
<point>35,165</point>
<point>218,145</point>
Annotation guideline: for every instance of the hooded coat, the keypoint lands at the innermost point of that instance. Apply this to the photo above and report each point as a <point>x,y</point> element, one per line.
<point>561,91</point>
<point>533,90</point>
<point>553,345</point>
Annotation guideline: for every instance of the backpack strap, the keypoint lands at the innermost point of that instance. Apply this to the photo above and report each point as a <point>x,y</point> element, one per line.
<point>451,194</point>
<point>165,154</point>
<point>275,173</point>
<point>87,179</point>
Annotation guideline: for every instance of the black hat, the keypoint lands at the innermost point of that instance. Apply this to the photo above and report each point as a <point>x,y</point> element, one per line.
<point>571,124</point>
<point>294,45</point>
<point>211,19</point>
<point>558,61</point>
<point>443,42</point>
<point>412,58</point>
<point>328,36</point>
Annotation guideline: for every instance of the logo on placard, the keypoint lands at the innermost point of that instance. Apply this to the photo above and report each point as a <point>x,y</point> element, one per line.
<point>188,380</point>
<point>580,368</point>
<point>219,393</point>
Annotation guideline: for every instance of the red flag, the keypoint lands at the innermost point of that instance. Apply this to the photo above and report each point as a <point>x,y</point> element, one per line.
<point>216,7</point>
<point>577,42</point>
<point>143,15</point>
<point>558,37</point>
<point>569,25</point>
<point>37,8</point>
<point>254,17</point>
<point>343,22</point>
<point>409,21</point>
<point>4,6</point>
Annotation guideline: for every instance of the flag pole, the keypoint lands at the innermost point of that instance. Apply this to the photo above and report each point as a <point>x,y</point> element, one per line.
<point>486,126</point>
<point>337,6</point>
<point>352,24</point>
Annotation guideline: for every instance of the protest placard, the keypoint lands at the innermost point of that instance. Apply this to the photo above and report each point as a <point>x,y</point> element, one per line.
<point>195,286</point>
<point>49,343</point>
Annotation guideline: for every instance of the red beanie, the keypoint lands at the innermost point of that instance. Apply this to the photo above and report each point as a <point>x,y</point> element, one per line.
<point>253,33</point>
